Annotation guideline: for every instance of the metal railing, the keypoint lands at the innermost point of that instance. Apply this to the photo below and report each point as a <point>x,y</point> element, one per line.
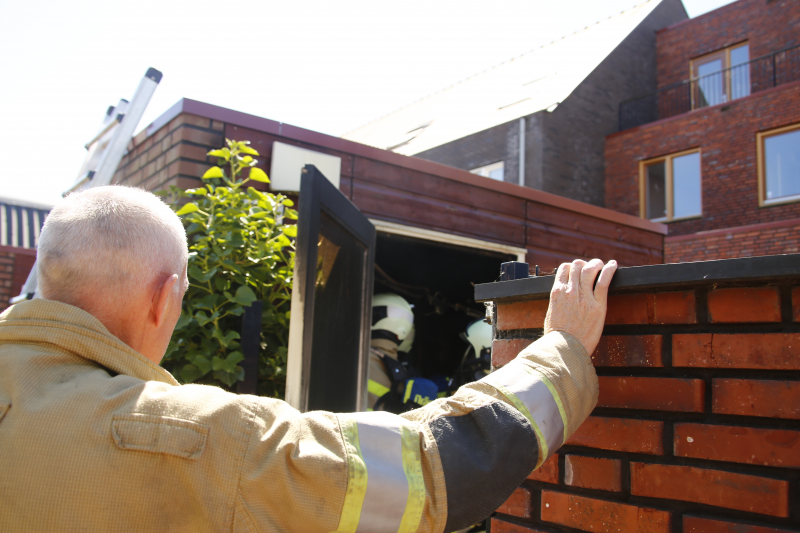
<point>719,87</point>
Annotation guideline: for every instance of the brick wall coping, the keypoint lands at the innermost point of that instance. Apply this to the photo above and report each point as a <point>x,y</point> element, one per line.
<point>245,120</point>
<point>784,86</point>
<point>766,268</point>
<point>17,250</point>
<point>734,230</point>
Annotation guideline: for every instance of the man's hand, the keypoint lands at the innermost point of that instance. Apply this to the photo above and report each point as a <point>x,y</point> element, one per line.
<point>577,308</point>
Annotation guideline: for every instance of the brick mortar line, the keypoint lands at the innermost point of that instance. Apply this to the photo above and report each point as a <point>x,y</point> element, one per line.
<point>730,328</point>
<point>677,507</point>
<point>704,418</point>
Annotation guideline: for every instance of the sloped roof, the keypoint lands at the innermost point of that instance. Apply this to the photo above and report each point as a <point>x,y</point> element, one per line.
<point>524,85</point>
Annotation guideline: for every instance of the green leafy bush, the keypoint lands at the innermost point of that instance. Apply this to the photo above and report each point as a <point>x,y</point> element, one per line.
<point>239,252</point>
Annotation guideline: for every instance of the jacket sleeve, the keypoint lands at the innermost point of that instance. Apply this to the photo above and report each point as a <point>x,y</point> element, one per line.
<point>438,468</point>
<point>492,433</point>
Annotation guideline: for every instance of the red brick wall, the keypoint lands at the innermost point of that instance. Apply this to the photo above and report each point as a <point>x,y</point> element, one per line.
<point>771,238</point>
<point>175,154</point>
<point>726,136</point>
<point>767,25</point>
<point>15,265</point>
<point>698,423</point>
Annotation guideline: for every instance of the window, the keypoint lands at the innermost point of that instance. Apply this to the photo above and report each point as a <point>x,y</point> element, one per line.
<point>779,165</point>
<point>494,171</point>
<point>669,187</point>
<point>721,76</point>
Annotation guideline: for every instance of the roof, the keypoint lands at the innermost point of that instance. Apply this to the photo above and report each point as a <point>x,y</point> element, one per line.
<point>532,82</point>
<point>21,222</point>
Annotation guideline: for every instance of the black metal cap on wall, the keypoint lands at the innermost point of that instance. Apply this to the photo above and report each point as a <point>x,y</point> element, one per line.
<point>513,270</point>
<point>642,277</point>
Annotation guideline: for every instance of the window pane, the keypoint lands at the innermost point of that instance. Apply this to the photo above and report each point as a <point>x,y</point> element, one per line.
<point>711,86</point>
<point>740,75</point>
<point>496,174</point>
<point>656,189</point>
<point>686,185</point>
<point>782,155</point>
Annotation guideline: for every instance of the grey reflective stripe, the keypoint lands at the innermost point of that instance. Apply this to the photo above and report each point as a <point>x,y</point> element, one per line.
<point>387,486</point>
<point>530,388</point>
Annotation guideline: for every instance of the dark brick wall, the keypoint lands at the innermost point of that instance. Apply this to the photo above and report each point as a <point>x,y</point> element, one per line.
<point>726,136</point>
<point>500,143</point>
<point>564,149</point>
<point>697,428</point>
<point>768,25</point>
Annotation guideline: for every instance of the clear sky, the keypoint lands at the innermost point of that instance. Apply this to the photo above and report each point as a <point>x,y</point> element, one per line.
<point>319,64</point>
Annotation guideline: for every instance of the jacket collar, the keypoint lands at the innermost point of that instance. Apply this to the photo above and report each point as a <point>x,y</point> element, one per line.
<point>72,329</point>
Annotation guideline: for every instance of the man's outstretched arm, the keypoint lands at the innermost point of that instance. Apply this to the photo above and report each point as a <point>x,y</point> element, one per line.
<point>449,464</point>
<point>492,433</point>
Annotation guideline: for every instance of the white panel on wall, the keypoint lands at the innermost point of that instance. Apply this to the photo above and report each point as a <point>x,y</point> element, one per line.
<point>288,161</point>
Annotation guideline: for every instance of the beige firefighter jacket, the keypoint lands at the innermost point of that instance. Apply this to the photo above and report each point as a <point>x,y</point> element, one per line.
<point>95,437</point>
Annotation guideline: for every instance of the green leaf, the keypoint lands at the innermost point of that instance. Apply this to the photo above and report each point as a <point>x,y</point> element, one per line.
<point>213,172</point>
<point>190,373</point>
<point>217,363</point>
<point>201,276</point>
<point>257,174</point>
<point>202,318</point>
<point>291,214</point>
<point>183,321</point>
<point>287,202</point>
<point>188,208</point>
<point>247,150</point>
<point>223,153</point>
<point>244,296</point>
<point>202,364</point>
<point>290,231</point>
<point>231,360</point>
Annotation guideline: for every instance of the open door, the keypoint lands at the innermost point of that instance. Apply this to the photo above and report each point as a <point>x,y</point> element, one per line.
<point>329,332</point>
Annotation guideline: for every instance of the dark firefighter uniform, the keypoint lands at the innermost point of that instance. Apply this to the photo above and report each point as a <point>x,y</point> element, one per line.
<point>97,438</point>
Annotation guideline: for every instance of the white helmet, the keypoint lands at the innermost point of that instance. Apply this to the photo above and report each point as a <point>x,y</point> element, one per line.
<point>405,346</point>
<point>479,335</point>
<point>392,317</point>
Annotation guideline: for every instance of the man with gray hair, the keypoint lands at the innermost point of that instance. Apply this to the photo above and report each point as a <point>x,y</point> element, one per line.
<point>95,436</point>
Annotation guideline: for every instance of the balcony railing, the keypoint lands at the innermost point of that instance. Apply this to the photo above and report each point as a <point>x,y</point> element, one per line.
<point>723,86</point>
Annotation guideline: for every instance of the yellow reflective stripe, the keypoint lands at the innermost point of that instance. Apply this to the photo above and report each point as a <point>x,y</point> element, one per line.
<point>376,388</point>
<point>409,385</point>
<point>356,478</point>
<point>412,464</point>
<point>556,397</point>
<point>543,451</point>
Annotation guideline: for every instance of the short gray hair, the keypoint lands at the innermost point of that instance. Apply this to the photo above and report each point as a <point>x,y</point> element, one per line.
<point>108,239</point>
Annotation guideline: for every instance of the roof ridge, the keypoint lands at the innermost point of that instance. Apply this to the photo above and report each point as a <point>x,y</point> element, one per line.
<point>507,61</point>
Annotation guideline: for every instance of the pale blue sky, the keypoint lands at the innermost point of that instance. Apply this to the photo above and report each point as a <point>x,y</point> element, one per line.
<point>318,64</point>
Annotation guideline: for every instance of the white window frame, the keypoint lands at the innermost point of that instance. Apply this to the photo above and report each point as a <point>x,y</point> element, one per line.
<point>448,238</point>
<point>667,159</point>
<point>761,136</point>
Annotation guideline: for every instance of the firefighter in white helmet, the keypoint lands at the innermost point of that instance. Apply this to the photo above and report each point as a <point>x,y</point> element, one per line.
<point>393,385</point>
<point>477,361</point>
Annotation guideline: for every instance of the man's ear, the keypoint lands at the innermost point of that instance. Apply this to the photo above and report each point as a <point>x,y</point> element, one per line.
<point>161,300</point>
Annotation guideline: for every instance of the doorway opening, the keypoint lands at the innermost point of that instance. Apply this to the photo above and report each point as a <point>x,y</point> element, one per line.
<point>438,279</point>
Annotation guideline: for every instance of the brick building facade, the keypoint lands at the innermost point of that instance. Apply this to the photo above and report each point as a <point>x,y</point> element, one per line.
<point>697,428</point>
<point>736,218</point>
